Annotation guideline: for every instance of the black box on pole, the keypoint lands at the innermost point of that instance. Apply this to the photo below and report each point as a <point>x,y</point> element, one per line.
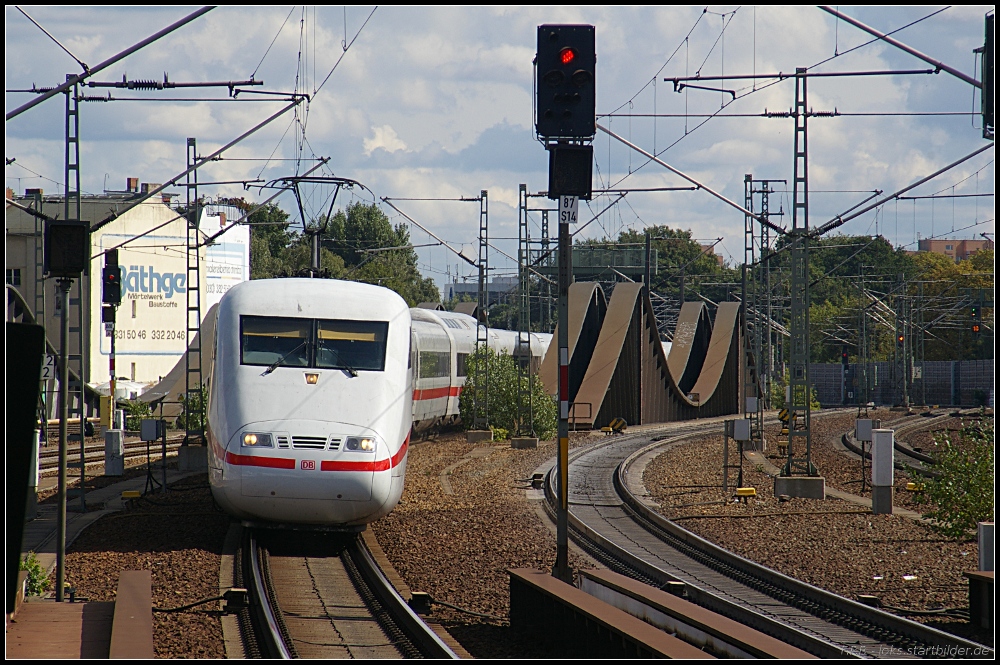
<point>67,247</point>
<point>571,169</point>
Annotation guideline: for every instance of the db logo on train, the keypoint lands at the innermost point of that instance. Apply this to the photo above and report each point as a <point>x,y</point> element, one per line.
<point>308,465</point>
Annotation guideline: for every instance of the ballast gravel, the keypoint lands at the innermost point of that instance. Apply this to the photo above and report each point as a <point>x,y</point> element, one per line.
<point>465,518</point>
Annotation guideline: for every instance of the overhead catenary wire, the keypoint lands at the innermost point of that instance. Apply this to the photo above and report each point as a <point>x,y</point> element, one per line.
<point>753,89</point>
<point>73,80</point>
<point>82,64</point>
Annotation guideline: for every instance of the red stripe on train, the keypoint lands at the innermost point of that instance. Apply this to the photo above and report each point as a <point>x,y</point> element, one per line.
<point>327,465</point>
<point>254,460</point>
<point>379,465</point>
<point>436,393</point>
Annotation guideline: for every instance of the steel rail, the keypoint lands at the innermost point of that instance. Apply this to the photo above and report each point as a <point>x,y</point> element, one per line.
<point>408,633</point>
<point>48,459</point>
<point>624,560</point>
<point>267,625</point>
<point>429,643</point>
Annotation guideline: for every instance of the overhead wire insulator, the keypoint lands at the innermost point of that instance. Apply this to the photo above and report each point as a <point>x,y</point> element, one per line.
<point>144,85</point>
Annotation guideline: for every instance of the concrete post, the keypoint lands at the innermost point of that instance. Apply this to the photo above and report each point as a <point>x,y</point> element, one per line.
<point>882,471</point>
<point>114,452</point>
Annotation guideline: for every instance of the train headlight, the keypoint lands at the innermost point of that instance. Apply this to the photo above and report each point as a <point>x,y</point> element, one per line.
<point>257,440</point>
<point>363,444</point>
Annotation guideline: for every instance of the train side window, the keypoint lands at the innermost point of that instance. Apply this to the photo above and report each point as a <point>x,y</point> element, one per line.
<point>265,340</point>
<point>460,360</point>
<point>434,363</point>
<point>351,345</point>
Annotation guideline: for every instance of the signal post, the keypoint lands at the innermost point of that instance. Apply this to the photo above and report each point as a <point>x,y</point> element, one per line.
<point>67,245</point>
<point>111,296</point>
<point>566,123</point>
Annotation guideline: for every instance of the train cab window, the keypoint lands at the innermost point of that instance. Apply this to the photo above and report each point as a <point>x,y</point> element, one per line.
<point>351,345</point>
<point>265,340</point>
<point>460,360</point>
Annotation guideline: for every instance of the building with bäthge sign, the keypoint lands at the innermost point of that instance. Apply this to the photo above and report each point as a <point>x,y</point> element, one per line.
<point>151,239</point>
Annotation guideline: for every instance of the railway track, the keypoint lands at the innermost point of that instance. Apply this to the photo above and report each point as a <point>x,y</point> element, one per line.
<point>917,462</point>
<point>321,595</point>
<point>609,519</point>
<point>48,457</point>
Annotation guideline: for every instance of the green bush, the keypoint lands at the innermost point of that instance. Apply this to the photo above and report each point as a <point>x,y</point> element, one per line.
<point>135,412</point>
<point>778,394</point>
<point>503,389</point>
<point>38,579</point>
<point>963,495</point>
<point>196,406</point>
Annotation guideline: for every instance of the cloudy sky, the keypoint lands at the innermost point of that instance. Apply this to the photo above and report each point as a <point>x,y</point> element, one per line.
<point>436,103</point>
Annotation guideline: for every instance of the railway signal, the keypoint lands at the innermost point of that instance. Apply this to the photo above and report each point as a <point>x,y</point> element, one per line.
<point>566,122</point>
<point>977,318</point>
<point>565,85</point>
<point>112,278</point>
<point>843,357</point>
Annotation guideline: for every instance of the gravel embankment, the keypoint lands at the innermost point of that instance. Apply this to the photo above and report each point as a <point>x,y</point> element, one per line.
<point>833,544</point>
<point>458,546</point>
<point>179,538</point>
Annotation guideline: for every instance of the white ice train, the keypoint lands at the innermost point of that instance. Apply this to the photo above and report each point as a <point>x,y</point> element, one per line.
<point>316,386</point>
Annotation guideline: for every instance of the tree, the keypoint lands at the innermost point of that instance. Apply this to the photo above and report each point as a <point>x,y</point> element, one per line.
<point>963,495</point>
<point>503,390</point>
<point>680,257</point>
<point>269,238</point>
<point>296,260</point>
<point>365,227</point>
<point>277,251</point>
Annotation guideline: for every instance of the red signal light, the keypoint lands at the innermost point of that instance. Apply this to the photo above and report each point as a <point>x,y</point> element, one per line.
<point>567,55</point>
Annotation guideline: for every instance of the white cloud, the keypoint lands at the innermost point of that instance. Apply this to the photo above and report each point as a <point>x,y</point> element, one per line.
<point>431,102</point>
<point>384,138</point>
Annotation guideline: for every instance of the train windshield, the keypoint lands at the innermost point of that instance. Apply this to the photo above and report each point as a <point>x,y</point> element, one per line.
<point>351,345</point>
<point>268,340</point>
<point>327,344</point>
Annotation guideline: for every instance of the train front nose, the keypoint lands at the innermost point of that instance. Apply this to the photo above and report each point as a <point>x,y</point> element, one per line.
<point>312,477</point>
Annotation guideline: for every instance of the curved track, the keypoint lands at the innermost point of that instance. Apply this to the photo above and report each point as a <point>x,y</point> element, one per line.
<point>321,595</point>
<point>610,521</point>
<point>917,462</point>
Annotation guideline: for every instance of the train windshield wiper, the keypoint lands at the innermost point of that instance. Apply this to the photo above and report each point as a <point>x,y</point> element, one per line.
<point>344,366</point>
<point>273,366</point>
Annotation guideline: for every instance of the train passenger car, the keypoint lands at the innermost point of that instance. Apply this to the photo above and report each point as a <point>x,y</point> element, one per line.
<point>310,410</point>
<point>442,343</point>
